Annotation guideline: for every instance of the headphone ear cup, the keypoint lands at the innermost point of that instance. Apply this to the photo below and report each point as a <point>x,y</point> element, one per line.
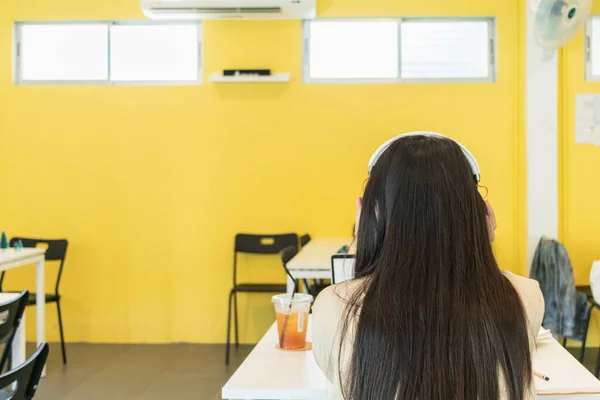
<point>472,161</point>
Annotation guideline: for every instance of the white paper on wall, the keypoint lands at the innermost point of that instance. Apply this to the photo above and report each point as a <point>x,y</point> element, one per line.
<point>587,119</point>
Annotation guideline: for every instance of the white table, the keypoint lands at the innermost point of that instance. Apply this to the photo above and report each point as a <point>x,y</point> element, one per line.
<point>566,374</point>
<point>313,261</point>
<point>13,258</point>
<point>271,374</point>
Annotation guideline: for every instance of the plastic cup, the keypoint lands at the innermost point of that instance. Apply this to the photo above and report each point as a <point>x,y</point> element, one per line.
<point>292,319</point>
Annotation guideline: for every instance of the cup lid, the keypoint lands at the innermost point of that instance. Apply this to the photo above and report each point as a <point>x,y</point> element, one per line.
<point>286,298</point>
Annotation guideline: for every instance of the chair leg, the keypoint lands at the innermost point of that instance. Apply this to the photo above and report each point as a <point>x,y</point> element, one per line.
<point>228,330</point>
<point>7,357</point>
<point>582,353</point>
<point>62,334</point>
<point>588,318</point>
<point>565,342</point>
<point>235,308</point>
<point>9,361</point>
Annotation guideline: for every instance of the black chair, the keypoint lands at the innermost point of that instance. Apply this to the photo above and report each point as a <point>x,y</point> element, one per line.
<point>56,251</point>
<point>587,316</point>
<point>12,313</point>
<point>254,244</point>
<point>26,377</point>
<point>592,304</point>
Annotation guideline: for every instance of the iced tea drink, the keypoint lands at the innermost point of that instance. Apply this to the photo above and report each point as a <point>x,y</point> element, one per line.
<point>292,319</point>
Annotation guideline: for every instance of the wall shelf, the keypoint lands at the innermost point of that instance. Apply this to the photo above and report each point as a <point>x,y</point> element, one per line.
<point>274,78</point>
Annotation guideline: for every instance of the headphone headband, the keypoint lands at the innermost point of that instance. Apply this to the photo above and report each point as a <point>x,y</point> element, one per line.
<point>470,158</point>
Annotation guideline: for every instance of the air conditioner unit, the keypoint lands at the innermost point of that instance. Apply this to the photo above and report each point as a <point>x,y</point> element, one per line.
<point>192,10</point>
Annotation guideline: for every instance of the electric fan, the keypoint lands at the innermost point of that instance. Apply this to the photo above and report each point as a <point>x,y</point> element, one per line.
<point>555,22</point>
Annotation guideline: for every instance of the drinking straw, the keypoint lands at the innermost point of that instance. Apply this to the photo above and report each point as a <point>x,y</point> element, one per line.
<point>287,315</point>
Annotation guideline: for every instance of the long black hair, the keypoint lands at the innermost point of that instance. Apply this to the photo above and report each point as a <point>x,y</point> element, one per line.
<point>436,319</point>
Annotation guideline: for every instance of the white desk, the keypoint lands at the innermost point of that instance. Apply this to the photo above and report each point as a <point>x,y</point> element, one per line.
<point>271,374</point>
<point>13,258</point>
<point>313,261</point>
<point>566,374</point>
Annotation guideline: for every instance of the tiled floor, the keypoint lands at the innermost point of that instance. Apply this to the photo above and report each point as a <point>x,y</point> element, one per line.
<point>138,372</point>
<point>148,372</point>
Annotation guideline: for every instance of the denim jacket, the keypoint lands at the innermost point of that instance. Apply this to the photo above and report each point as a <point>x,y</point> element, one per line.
<point>565,308</point>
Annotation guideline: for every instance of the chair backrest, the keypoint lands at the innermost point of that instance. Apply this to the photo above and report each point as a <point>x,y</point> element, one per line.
<point>264,244</point>
<point>342,268</point>
<point>261,244</point>
<point>11,314</point>
<point>27,376</point>
<point>56,251</point>
<point>304,240</point>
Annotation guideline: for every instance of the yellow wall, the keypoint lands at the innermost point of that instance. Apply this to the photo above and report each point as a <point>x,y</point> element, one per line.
<point>150,184</point>
<point>580,163</point>
<point>579,166</point>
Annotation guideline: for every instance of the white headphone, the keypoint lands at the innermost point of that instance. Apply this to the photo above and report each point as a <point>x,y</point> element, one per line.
<point>470,158</point>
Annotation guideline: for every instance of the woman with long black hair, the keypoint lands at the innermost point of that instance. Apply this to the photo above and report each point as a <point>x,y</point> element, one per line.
<point>429,315</point>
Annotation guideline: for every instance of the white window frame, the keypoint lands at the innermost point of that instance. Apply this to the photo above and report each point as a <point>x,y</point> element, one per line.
<point>589,75</point>
<point>107,82</point>
<point>491,21</point>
